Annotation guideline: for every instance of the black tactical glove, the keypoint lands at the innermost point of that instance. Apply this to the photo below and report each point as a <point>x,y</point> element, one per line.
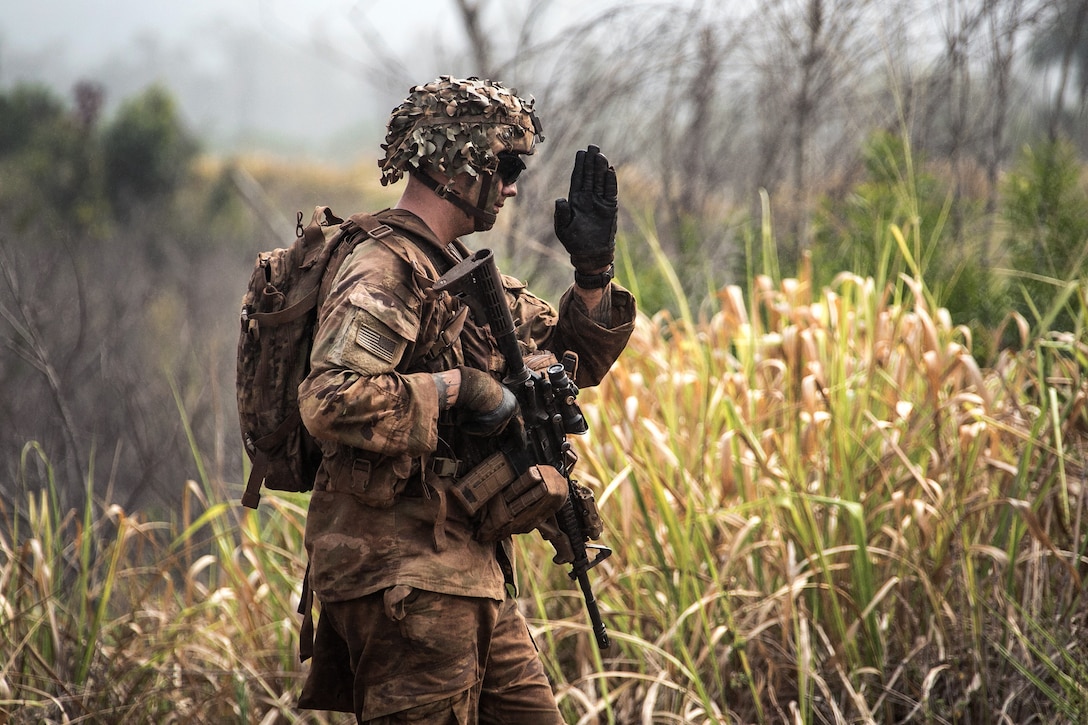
<point>490,404</point>
<point>585,221</point>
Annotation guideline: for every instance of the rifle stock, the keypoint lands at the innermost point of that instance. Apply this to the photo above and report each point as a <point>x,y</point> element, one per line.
<point>549,412</point>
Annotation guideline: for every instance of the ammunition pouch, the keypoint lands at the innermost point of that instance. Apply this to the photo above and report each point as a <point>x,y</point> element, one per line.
<point>503,503</point>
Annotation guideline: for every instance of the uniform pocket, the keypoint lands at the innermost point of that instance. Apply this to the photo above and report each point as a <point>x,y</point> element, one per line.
<point>374,482</point>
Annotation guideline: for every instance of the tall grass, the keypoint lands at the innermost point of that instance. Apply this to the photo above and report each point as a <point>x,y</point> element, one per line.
<point>823,511</point>
<point>109,618</point>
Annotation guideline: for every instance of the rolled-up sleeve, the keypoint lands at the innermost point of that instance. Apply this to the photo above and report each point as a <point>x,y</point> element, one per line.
<point>573,329</point>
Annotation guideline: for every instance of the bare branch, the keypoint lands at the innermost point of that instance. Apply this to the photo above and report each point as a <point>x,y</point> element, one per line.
<point>30,345</point>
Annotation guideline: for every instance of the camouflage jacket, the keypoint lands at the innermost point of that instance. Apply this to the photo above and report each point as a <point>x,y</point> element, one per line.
<point>378,515</point>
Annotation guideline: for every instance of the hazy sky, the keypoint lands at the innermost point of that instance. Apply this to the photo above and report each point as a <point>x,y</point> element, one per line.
<point>244,71</point>
<point>91,30</point>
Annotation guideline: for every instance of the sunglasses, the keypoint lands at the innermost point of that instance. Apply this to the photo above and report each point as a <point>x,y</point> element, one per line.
<point>510,167</point>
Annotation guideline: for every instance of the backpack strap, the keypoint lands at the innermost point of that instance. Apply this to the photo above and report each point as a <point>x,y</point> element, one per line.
<point>349,239</point>
<point>306,609</point>
<point>434,255</point>
<point>287,314</point>
<point>252,496</point>
<point>441,256</point>
<point>374,227</point>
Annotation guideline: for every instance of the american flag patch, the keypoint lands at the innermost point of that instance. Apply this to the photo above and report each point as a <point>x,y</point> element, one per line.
<point>376,343</point>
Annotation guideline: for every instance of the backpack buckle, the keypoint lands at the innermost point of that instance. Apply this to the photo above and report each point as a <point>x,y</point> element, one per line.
<point>380,231</point>
<point>445,467</point>
<point>250,326</point>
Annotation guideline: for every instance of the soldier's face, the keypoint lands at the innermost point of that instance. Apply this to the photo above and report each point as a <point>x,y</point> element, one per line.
<point>470,188</point>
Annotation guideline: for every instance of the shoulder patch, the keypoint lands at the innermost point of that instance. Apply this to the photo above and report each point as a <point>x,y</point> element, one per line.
<point>377,343</point>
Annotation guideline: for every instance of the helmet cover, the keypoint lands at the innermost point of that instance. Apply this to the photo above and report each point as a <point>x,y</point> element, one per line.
<point>457,126</point>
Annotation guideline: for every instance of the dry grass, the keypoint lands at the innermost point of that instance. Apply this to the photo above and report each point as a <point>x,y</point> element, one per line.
<point>823,511</point>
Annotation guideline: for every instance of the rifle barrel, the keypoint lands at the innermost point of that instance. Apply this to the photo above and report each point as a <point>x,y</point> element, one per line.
<point>599,630</point>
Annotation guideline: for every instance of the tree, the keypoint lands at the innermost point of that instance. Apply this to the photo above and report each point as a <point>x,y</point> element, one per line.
<point>812,66</point>
<point>147,151</point>
<point>49,159</point>
<point>23,113</point>
<point>1062,40</point>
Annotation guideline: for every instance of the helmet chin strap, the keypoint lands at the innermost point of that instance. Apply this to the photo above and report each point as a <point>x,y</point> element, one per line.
<point>480,211</point>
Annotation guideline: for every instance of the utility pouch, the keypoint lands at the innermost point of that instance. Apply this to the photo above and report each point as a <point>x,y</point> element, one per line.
<point>375,482</point>
<point>482,483</point>
<point>520,507</point>
<point>505,504</point>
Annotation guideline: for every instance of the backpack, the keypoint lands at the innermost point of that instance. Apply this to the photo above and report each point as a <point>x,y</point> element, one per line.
<point>279,317</point>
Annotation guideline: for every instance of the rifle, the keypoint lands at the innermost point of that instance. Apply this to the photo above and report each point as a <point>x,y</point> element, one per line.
<point>549,412</point>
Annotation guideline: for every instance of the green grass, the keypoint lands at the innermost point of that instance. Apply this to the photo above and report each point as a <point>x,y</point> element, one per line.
<point>110,618</point>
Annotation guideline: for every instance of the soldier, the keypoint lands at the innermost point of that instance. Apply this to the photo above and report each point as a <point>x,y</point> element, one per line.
<point>418,621</point>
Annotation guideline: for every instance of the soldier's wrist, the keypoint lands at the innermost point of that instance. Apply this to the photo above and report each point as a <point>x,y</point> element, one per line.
<point>448,385</point>
<point>596,279</point>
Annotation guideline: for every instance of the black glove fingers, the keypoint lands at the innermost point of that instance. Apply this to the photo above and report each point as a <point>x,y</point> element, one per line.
<point>611,187</point>
<point>563,214</point>
<point>585,222</point>
<point>598,169</point>
<point>577,175</point>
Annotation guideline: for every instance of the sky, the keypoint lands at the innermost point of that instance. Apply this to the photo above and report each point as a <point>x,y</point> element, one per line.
<point>90,30</point>
<point>269,74</point>
<point>279,74</point>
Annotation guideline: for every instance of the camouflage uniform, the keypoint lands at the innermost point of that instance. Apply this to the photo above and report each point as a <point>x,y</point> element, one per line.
<point>415,611</point>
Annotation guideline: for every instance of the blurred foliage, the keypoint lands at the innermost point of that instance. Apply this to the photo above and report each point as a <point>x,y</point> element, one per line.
<point>24,113</point>
<point>63,167</point>
<point>123,254</point>
<point>1064,34</point>
<point>48,159</point>
<point>116,270</point>
<point>1046,208</point>
<point>854,231</point>
<point>147,153</point>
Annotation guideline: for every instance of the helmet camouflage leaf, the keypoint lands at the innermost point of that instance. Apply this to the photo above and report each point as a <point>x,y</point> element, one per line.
<point>457,126</point>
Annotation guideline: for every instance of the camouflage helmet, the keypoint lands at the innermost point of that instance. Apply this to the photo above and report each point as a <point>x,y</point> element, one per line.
<point>456,126</point>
